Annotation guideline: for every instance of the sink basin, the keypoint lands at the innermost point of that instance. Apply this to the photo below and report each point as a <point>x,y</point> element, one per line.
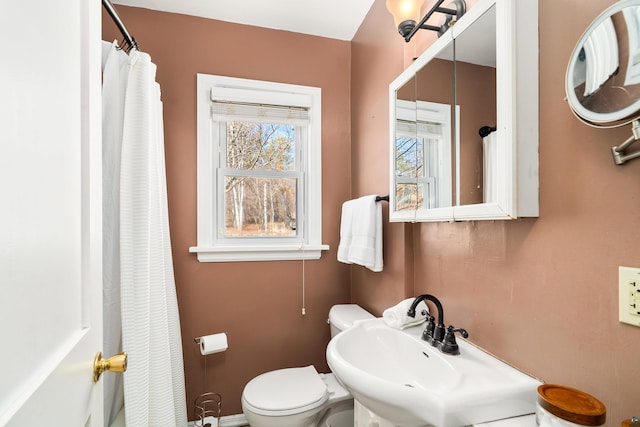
<point>412,384</point>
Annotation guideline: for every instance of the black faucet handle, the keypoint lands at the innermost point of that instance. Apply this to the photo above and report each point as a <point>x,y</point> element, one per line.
<point>449,344</point>
<point>451,330</point>
<point>427,334</point>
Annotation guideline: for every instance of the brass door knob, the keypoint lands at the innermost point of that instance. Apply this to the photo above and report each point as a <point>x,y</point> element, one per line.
<point>117,363</point>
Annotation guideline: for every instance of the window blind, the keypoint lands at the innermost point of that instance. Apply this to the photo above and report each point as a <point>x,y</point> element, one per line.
<point>243,111</point>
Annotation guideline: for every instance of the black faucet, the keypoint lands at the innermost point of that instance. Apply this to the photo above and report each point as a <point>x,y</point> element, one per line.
<point>434,333</point>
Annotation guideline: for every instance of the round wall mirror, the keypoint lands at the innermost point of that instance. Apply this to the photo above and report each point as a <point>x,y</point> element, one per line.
<point>603,76</point>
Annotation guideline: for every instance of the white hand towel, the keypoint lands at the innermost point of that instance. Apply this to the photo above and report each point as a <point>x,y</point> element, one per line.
<point>396,316</point>
<point>346,233</point>
<point>361,233</point>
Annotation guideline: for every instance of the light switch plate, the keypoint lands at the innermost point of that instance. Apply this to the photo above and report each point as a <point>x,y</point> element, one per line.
<point>629,293</point>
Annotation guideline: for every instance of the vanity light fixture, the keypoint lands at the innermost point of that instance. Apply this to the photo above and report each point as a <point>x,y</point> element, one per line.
<point>407,12</point>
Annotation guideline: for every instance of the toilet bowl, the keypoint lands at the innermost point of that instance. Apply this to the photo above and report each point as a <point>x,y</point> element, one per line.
<point>302,397</point>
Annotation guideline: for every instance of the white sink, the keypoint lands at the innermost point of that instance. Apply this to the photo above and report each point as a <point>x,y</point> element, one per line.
<point>412,384</point>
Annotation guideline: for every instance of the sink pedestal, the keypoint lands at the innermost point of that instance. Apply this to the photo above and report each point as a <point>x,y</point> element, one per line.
<point>363,417</point>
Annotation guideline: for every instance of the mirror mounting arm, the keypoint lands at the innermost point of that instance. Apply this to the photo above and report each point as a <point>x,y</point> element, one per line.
<point>619,157</point>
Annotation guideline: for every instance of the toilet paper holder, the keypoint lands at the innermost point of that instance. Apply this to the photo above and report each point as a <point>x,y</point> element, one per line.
<point>214,343</point>
<point>208,406</point>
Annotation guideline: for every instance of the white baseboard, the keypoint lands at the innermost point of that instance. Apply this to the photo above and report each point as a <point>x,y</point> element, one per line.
<point>213,421</point>
<point>238,420</point>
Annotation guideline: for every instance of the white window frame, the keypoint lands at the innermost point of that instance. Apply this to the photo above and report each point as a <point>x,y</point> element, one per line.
<point>210,247</point>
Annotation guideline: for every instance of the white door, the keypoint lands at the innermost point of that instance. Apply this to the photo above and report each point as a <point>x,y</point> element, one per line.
<point>50,213</point>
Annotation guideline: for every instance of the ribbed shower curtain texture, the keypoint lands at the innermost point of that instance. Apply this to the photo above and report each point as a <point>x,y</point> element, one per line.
<point>115,69</point>
<point>154,393</point>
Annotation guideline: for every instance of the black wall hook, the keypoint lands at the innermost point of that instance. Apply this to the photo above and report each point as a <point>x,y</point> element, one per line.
<point>486,130</point>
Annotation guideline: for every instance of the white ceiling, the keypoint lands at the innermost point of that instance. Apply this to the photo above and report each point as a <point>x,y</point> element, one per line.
<point>337,19</point>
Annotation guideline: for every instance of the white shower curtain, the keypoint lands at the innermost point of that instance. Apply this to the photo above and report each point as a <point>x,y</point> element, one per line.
<point>115,69</point>
<point>154,393</point>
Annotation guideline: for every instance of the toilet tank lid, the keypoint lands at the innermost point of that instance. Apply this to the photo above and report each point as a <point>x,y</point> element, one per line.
<point>342,316</point>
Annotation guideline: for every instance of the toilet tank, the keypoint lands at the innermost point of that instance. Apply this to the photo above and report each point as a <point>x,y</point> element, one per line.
<point>342,316</point>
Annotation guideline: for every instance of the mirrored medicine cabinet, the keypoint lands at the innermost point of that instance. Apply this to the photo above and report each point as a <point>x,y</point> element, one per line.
<point>464,120</point>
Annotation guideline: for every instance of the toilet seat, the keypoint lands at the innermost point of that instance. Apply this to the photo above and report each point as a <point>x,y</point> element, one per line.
<point>285,392</point>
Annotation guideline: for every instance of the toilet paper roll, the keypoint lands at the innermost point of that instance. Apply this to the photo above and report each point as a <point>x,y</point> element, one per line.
<point>215,343</point>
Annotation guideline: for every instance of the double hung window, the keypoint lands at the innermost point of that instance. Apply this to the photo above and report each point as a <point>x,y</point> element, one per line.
<point>259,171</point>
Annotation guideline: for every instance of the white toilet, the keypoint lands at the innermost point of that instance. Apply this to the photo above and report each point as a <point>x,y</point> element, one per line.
<point>301,397</point>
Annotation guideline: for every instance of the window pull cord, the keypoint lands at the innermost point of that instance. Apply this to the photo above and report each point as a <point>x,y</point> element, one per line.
<point>304,310</point>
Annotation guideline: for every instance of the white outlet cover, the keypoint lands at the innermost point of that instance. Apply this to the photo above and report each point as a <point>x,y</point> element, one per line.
<point>629,295</point>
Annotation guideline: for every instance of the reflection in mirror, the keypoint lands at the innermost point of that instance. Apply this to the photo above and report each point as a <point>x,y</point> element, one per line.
<point>475,82</point>
<point>406,150</point>
<point>423,137</point>
<point>442,167</point>
<point>434,103</point>
<point>603,77</point>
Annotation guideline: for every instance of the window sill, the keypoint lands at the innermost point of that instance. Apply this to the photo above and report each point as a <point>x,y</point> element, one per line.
<point>258,253</point>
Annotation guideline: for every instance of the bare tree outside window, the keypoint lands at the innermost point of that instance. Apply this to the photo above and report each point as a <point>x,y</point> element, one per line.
<point>260,190</point>
<point>416,167</point>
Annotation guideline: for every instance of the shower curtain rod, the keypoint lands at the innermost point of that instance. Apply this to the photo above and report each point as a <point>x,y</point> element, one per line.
<point>128,38</point>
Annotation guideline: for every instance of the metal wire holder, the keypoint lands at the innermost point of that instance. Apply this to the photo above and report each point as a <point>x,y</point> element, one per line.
<point>208,404</point>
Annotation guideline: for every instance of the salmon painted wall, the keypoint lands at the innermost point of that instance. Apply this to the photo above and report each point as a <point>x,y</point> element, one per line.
<point>540,293</point>
<point>377,58</point>
<point>258,304</point>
